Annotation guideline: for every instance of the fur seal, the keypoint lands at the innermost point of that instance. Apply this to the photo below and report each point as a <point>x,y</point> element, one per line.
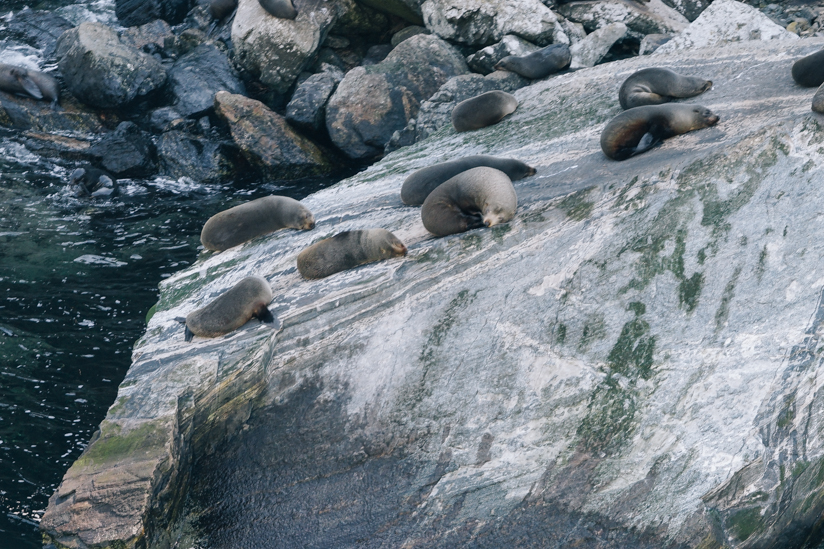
<point>247,299</point>
<point>23,81</point>
<point>818,100</point>
<point>639,129</point>
<point>483,110</point>
<point>417,186</point>
<point>809,71</point>
<point>90,181</point>
<point>279,8</point>
<point>537,64</point>
<point>475,198</point>
<point>252,219</point>
<point>655,86</point>
<point>347,250</point>
<point>219,9</point>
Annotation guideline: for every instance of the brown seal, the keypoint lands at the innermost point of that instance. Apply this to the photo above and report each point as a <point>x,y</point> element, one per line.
<point>537,64</point>
<point>419,184</point>
<point>475,198</point>
<point>247,299</point>
<point>252,219</point>
<point>655,86</point>
<point>279,8</point>
<point>483,110</point>
<point>31,83</point>
<point>641,128</point>
<point>219,9</point>
<point>347,250</point>
<point>809,71</point>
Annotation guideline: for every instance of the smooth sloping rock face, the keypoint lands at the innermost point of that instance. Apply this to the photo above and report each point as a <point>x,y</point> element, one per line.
<point>726,21</point>
<point>653,17</point>
<point>138,12</point>
<point>278,50</point>
<point>197,76</point>
<point>630,362</point>
<point>371,103</point>
<point>484,22</point>
<point>102,72</point>
<point>267,141</point>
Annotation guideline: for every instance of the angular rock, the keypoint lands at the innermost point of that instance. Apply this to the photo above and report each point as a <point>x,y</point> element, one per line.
<point>653,17</point>
<point>127,152</point>
<point>690,9</point>
<point>267,141</point>
<point>376,54</point>
<point>726,21</point>
<point>277,50</point>
<point>23,113</point>
<point>101,71</point>
<point>652,42</point>
<point>39,29</point>
<point>483,61</point>
<point>405,9</point>
<point>196,77</point>
<point>53,145</point>
<point>157,33</point>
<point>306,109</point>
<point>589,51</point>
<point>182,154</point>
<point>357,19</point>
<point>574,31</point>
<point>484,22</point>
<point>161,119</point>
<point>371,103</point>
<point>132,13</point>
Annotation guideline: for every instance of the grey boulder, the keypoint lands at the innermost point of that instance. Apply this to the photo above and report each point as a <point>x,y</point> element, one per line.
<point>196,77</point>
<point>127,152</point>
<point>307,108</point>
<point>181,154</point>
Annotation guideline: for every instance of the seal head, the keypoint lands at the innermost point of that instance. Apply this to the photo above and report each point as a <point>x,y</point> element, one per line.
<point>348,250</point>
<point>655,86</point>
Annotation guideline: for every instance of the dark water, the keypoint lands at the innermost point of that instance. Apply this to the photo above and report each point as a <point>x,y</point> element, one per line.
<point>76,280</point>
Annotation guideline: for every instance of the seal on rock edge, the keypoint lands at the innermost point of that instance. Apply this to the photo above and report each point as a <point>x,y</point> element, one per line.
<point>483,110</point>
<point>537,64</point>
<point>283,9</point>
<point>90,181</point>
<point>23,81</point>
<point>247,299</point>
<point>255,218</point>
<point>420,183</point>
<point>809,71</point>
<point>347,250</point>
<point>655,86</point>
<point>475,198</point>
<point>219,9</point>
<point>639,129</point>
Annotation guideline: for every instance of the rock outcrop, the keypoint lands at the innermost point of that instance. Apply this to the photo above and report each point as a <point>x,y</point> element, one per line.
<point>196,77</point>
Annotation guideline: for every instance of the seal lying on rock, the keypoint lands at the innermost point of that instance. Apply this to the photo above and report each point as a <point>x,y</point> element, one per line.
<point>279,8</point>
<point>247,299</point>
<point>655,86</point>
<point>475,198</point>
<point>23,81</point>
<point>809,71</point>
<point>483,110</point>
<point>347,250</point>
<point>537,64</point>
<point>252,219</point>
<point>90,181</point>
<point>641,128</point>
<point>419,184</point>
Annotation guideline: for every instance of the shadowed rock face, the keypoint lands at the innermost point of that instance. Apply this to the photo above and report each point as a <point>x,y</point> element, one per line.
<point>630,362</point>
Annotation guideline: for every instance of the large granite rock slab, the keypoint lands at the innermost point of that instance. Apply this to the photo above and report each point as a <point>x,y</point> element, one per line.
<point>373,102</point>
<point>630,362</point>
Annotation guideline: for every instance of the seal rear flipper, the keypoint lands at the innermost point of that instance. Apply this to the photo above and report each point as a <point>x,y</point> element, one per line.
<point>264,315</point>
<point>648,141</point>
<point>188,334</point>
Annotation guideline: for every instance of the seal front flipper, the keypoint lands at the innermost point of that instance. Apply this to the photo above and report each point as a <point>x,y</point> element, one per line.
<point>29,85</point>
<point>648,141</point>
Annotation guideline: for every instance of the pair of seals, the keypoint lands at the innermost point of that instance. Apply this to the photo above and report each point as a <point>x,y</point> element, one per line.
<point>641,128</point>
<point>252,219</point>
<point>537,64</point>
<point>475,198</point>
<point>655,86</point>
<point>419,184</point>
<point>23,81</point>
<point>809,71</point>
<point>90,181</point>
<point>247,299</point>
<point>279,8</point>
<point>347,250</point>
<point>483,110</point>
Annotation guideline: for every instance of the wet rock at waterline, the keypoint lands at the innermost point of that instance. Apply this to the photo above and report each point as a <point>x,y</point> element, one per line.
<point>267,141</point>
<point>24,113</point>
<point>371,103</point>
<point>181,154</point>
<point>39,29</point>
<point>126,152</point>
<point>102,72</point>
<point>196,77</point>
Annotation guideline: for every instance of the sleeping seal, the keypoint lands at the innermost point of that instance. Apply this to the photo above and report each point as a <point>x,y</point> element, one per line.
<point>347,250</point>
<point>655,86</point>
<point>30,83</point>
<point>247,299</point>
<point>419,184</point>
<point>639,129</point>
<point>483,110</point>
<point>475,198</point>
<point>537,64</point>
<point>252,219</point>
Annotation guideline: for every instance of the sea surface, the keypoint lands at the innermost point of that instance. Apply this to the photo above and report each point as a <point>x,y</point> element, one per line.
<point>77,278</point>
